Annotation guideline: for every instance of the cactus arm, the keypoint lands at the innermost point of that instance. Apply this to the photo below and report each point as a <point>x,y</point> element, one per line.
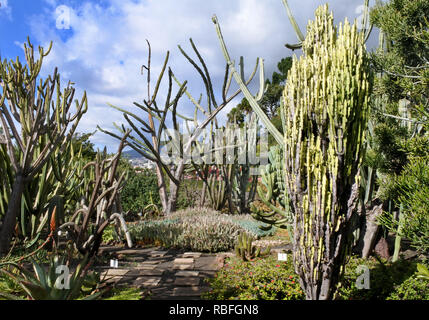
<point>292,20</point>
<point>251,99</point>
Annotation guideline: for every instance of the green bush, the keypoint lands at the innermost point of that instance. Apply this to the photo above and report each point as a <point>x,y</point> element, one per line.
<point>411,289</point>
<point>412,188</point>
<point>139,191</point>
<point>124,294</point>
<point>197,229</point>
<point>261,279</point>
<point>387,281</point>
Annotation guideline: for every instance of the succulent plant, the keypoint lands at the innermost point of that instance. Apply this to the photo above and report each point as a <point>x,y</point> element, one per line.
<point>50,284</point>
<point>326,105</point>
<point>245,250</point>
<point>37,126</point>
<point>325,113</point>
<point>274,194</point>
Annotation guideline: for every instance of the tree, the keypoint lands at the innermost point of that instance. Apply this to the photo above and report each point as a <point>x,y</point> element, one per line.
<point>270,101</point>
<point>81,142</point>
<point>146,137</point>
<point>400,113</point>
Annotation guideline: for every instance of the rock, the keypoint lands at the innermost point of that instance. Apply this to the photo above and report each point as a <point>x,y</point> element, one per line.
<point>409,254</point>
<point>382,248</point>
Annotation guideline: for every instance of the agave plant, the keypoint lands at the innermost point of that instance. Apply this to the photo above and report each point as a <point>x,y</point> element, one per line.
<point>423,272</point>
<point>51,284</point>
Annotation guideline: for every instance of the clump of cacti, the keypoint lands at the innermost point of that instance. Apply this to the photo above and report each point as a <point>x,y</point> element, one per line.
<point>273,194</point>
<point>245,250</point>
<point>37,125</point>
<point>326,109</point>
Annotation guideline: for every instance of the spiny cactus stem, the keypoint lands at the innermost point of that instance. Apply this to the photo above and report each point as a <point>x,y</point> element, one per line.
<point>250,98</point>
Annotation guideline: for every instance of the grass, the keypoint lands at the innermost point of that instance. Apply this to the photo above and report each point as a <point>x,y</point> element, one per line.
<point>280,234</point>
<point>130,293</point>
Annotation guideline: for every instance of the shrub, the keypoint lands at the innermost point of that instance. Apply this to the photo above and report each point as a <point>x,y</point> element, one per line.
<point>387,280</point>
<point>411,289</point>
<point>412,187</point>
<point>197,229</point>
<point>140,190</point>
<point>261,279</point>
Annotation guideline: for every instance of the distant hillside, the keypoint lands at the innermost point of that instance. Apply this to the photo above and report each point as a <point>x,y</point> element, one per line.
<point>131,154</point>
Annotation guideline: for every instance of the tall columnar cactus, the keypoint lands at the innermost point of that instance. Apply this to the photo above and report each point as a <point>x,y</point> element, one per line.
<point>326,109</point>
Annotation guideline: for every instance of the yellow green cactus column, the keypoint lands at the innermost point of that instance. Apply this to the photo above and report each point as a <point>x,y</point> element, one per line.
<point>326,109</point>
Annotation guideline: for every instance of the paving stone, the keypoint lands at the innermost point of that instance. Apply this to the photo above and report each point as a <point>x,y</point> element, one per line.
<point>158,253</point>
<point>187,281</point>
<point>116,272</point>
<point>113,280</point>
<point>183,267</point>
<point>131,252</point>
<point>147,281</point>
<point>146,267</point>
<point>192,255</point>
<point>151,262</point>
<point>187,273</point>
<point>139,259</point>
<point>183,260</point>
<point>186,292</point>
<point>154,272</point>
<point>207,263</point>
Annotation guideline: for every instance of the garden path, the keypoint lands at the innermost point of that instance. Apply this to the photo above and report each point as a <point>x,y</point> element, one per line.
<point>165,274</point>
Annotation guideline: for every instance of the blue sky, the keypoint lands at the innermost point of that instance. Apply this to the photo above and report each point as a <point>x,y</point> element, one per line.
<point>104,47</point>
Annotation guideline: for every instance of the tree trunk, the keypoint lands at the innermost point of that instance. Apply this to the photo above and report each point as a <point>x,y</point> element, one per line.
<point>369,231</point>
<point>172,198</point>
<point>203,195</point>
<point>13,208</point>
<point>162,189</point>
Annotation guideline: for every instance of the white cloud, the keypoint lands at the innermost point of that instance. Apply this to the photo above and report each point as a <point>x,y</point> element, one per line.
<point>5,9</point>
<point>107,47</point>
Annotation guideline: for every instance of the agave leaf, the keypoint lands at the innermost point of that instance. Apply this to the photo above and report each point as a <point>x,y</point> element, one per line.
<point>10,296</point>
<point>36,292</point>
<point>423,272</point>
<point>40,274</point>
<point>94,296</point>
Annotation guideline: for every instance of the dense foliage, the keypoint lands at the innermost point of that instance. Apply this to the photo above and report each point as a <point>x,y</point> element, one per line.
<point>400,114</point>
<point>261,279</point>
<point>140,190</point>
<point>198,229</point>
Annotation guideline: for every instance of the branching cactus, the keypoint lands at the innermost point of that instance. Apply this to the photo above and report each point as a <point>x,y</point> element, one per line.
<point>326,109</point>
<point>99,204</point>
<point>34,112</point>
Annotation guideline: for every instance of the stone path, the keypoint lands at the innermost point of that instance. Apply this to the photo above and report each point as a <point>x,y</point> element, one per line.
<point>166,274</point>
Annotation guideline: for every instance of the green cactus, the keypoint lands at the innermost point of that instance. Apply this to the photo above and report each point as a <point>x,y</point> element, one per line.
<point>275,196</point>
<point>245,250</point>
<point>326,109</point>
<point>37,124</point>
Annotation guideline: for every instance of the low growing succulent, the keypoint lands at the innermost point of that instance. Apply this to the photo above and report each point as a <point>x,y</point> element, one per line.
<point>51,284</point>
<point>245,250</point>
